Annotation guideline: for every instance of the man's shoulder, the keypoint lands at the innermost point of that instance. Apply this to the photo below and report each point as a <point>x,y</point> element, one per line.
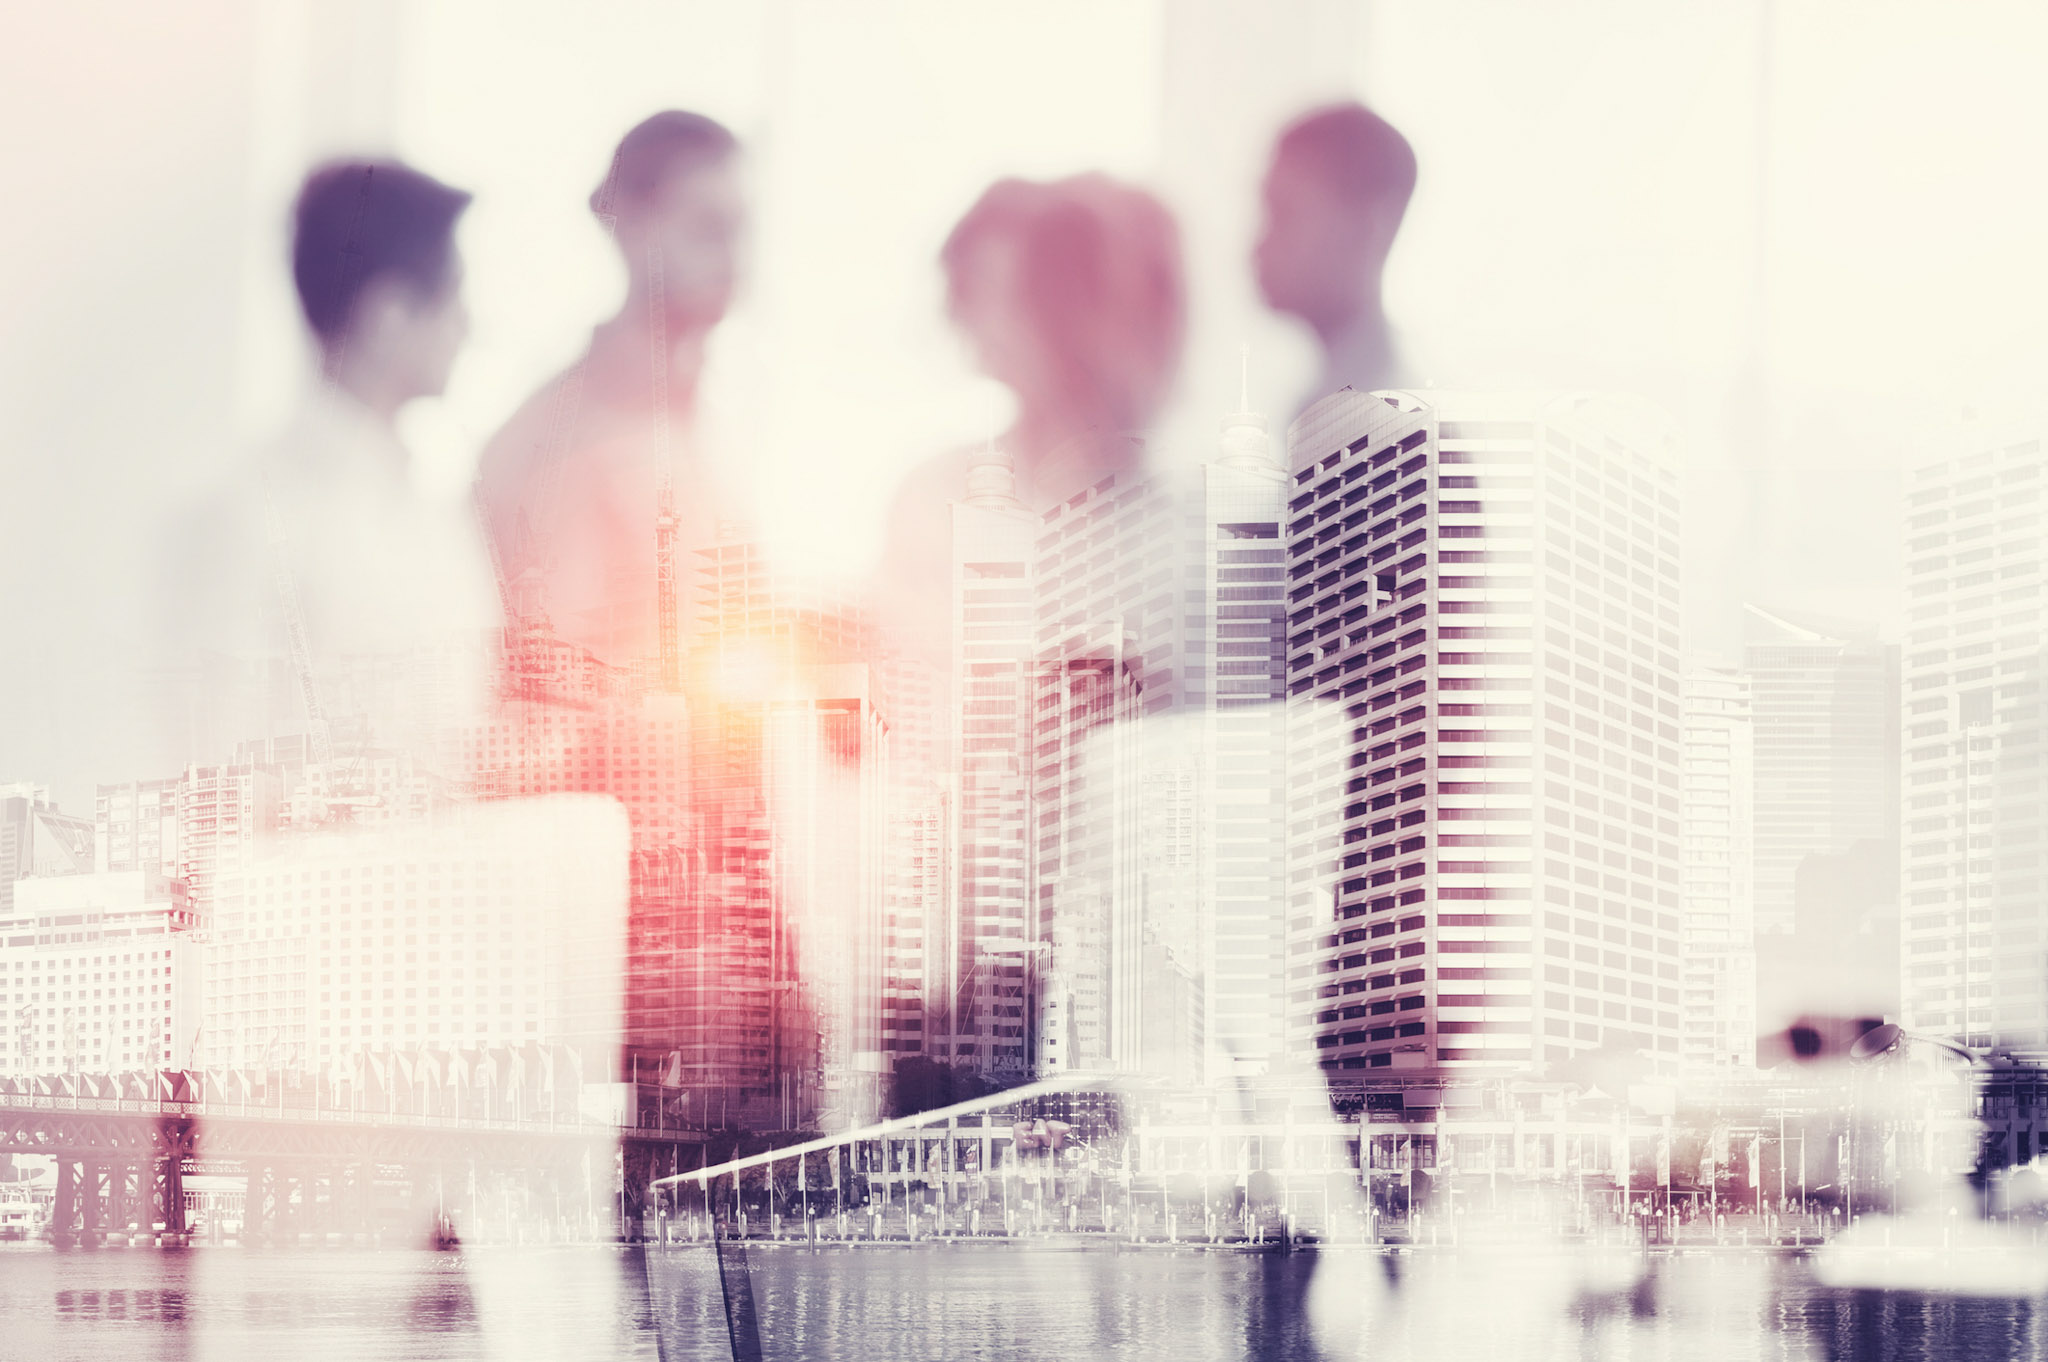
<point>563,417</point>
<point>212,561</point>
<point>512,454</point>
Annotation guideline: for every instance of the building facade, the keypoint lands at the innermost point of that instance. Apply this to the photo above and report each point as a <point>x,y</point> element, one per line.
<point>1240,649</point>
<point>502,924</point>
<point>790,774</point>
<point>1972,948</point>
<point>1158,746</point>
<point>135,826</point>
<point>1824,698</point>
<point>38,838</point>
<point>99,973</point>
<point>1720,1013</point>
<point>1109,569</point>
<point>983,953</point>
<point>227,817</point>
<point>1484,789</point>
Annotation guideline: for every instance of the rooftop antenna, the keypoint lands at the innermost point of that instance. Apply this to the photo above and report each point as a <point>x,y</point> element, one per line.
<point>1244,443</point>
<point>665,595</point>
<point>992,479</point>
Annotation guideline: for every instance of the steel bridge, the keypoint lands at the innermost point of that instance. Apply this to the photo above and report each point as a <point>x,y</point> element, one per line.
<point>125,1161</point>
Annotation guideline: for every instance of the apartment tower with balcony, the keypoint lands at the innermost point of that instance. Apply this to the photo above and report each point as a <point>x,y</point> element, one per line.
<point>1485,764</point>
<point>1972,946</point>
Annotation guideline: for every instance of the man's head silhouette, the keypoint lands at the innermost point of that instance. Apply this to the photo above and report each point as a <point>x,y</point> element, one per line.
<point>1334,197</point>
<point>379,281</point>
<point>676,201</point>
<point>1071,294</point>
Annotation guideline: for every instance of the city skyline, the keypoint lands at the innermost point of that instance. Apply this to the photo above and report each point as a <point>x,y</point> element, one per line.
<point>1335,679</point>
<point>979,975</point>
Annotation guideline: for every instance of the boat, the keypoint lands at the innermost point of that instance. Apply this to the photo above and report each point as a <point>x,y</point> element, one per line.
<point>20,1217</point>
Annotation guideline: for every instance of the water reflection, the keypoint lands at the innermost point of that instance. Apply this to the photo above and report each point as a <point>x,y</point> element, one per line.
<point>362,1305</point>
<point>986,1301</point>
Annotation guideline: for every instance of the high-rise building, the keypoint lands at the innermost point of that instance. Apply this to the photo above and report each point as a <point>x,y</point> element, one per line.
<point>568,723</point>
<point>226,817</point>
<point>1718,878</point>
<point>500,924</point>
<point>38,838</point>
<point>1972,922</point>
<point>1485,773</point>
<point>918,861</point>
<point>789,771</point>
<point>135,826</point>
<point>1158,746</point>
<point>983,942</point>
<point>1241,639</point>
<point>745,756</point>
<point>98,974</point>
<point>1824,698</point>
<point>630,745</point>
<point>914,695</point>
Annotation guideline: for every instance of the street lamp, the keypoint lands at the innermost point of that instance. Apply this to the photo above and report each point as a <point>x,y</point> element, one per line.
<point>1888,1037</point>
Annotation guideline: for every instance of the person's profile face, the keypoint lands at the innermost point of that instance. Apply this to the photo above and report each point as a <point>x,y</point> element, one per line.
<point>695,223</point>
<point>1310,253</point>
<point>983,302</point>
<point>438,326</point>
<point>415,334</point>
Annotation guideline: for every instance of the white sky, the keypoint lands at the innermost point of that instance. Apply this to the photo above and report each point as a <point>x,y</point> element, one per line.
<point>871,128</point>
<point>1777,220</point>
<point>1817,297</point>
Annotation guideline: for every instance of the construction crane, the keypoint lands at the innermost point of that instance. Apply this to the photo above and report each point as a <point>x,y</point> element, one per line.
<point>319,736</point>
<point>665,513</point>
<point>527,633</point>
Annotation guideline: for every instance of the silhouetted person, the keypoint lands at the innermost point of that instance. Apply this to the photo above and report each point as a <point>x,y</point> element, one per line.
<point>391,589</point>
<point>1334,198</point>
<point>1070,293</point>
<point>571,485</point>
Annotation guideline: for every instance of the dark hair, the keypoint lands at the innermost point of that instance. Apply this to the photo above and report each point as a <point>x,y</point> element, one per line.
<point>358,221</point>
<point>655,148</point>
<point>1098,282</point>
<point>1356,153</point>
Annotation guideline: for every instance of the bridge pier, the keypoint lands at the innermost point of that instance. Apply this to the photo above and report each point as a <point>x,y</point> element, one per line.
<point>64,1211</point>
<point>117,1196</point>
<point>255,1203</point>
<point>170,1188</point>
<point>299,1207</point>
<point>91,1171</point>
<point>136,1202</point>
<point>322,1191</point>
<point>123,1160</point>
<point>283,1219</point>
<point>363,1197</point>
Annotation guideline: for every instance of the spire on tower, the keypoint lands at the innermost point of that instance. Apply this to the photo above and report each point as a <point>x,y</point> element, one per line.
<point>1245,443</point>
<point>992,480</point>
<point>992,477</point>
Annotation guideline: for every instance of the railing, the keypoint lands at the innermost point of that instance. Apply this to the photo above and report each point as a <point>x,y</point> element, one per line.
<point>937,1116</point>
<point>942,1176</point>
<point>225,1110</point>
